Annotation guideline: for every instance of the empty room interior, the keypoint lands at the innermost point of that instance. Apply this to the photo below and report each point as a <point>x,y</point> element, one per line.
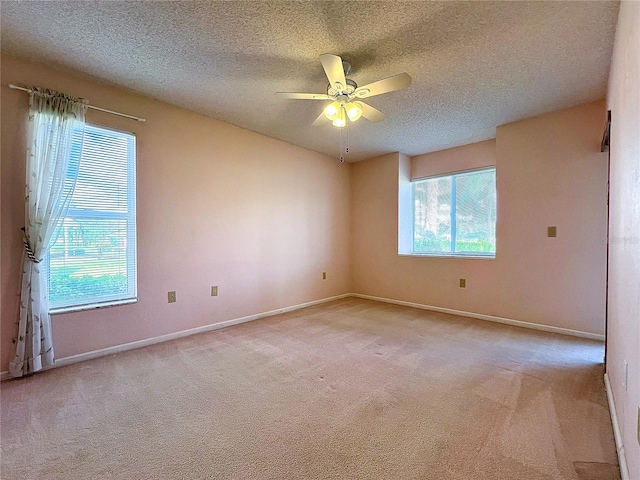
<point>320,239</point>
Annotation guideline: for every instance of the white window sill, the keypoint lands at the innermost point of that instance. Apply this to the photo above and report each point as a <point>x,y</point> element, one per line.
<point>441,255</point>
<point>91,306</point>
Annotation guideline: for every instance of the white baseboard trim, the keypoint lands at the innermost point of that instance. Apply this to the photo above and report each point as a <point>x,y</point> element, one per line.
<point>622,458</point>
<point>490,318</point>
<point>183,333</point>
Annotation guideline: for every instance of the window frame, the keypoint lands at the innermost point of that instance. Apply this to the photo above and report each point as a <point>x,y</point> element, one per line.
<point>131,296</point>
<point>452,253</point>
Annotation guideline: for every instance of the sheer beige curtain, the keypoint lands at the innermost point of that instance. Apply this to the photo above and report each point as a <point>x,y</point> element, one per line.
<point>50,181</point>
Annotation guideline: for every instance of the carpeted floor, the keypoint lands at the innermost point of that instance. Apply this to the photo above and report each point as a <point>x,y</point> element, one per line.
<point>352,389</point>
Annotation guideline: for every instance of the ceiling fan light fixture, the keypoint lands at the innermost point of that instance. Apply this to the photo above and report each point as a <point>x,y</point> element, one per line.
<point>332,111</point>
<point>341,120</point>
<point>354,111</point>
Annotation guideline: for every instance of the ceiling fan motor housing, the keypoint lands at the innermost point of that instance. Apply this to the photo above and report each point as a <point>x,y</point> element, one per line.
<point>348,89</point>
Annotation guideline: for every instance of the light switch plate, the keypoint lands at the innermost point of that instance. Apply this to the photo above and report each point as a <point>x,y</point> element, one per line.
<point>463,283</point>
<point>172,297</point>
<point>214,291</point>
<point>552,231</point>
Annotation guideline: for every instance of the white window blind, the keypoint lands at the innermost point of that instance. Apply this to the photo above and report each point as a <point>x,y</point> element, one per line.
<point>93,260</point>
<point>455,214</point>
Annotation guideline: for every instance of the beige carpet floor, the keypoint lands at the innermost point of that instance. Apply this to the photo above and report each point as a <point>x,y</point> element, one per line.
<point>351,389</point>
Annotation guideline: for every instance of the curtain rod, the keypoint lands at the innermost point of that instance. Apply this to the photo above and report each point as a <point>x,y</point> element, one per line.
<point>16,87</point>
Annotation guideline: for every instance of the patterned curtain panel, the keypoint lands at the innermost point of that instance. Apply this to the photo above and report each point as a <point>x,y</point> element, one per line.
<point>50,181</point>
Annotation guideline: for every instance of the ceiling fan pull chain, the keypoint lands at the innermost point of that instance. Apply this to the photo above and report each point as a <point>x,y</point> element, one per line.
<point>341,154</point>
<point>346,150</point>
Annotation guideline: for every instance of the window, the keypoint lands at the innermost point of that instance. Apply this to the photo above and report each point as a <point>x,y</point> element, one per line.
<point>93,260</point>
<point>455,214</point>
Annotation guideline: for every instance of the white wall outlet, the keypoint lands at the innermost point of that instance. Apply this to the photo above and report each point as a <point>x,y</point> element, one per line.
<point>214,291</point>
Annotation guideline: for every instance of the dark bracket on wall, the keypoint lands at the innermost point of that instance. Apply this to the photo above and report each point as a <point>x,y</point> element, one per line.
<point>606,137</point>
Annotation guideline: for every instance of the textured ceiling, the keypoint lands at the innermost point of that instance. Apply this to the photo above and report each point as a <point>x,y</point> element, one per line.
<point>475,65</point>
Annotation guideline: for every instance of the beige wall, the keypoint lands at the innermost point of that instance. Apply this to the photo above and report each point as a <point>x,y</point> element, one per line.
<point>217,205</point>
<point>623,338</point>
<point>549,172</point>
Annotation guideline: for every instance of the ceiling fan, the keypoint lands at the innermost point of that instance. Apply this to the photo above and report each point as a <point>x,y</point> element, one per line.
<point>346,94</point>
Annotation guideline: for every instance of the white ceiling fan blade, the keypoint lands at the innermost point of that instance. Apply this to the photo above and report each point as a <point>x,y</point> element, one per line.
<point>386,85</point>
<point>371,114</point>
<point>320,120</point>
<point>332,65</point>
<point>304,96</point>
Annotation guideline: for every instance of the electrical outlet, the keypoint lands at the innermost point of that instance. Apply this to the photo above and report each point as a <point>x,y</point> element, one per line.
<point>324,275</point>
<point>552,231</point>
<point>172,297</point>
<point>463,283</point>
<point>214,291</point>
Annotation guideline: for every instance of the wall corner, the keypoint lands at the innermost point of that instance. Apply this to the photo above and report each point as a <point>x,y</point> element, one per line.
<point>405,220</point>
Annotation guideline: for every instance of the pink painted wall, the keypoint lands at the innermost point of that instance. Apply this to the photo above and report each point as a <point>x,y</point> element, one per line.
<point>458,159</point>
<point>623,338</point>
<point>217,205</point>
<point>549,172</point>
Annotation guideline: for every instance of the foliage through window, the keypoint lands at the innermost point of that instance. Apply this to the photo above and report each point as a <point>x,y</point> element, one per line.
<point>93,259</point>
<point>455,214</point>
